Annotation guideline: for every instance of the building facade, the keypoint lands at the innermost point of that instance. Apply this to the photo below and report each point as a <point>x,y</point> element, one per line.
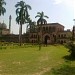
<point>46,32</point>
<point>50,33</point>
<point>3,29</point>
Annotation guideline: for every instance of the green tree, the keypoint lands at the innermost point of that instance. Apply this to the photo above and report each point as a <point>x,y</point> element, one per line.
<point>41,18</point>
<point>2,9</point>
<point>22,16</point>
<point>31,27</point>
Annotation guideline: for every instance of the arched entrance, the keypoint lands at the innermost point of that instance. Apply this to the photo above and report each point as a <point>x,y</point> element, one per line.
<point>46,39</point>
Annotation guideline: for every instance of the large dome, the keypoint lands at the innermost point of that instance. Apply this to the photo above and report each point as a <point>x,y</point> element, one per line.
<point>3,26</point>
<point>41,21</point>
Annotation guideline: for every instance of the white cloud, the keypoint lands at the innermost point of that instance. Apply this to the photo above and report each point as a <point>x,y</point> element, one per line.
<point>69,3</point>
<point>58,1</point>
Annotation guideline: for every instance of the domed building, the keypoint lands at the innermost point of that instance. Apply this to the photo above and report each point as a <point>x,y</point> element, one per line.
<point>41,21</point>
<point>50,33</point>
<point>3,29</point>
<point>3,26</point>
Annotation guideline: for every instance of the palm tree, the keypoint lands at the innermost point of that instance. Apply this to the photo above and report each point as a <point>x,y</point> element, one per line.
<point>2,9</point>
<point>31,26</point>
<point>41,18</point>
<point>22,16</point>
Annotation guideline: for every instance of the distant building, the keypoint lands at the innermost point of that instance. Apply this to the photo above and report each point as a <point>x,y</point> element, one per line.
<point>3,29</point>
<point>50,32</point>
<point>6,36</point>
<point>47,32</point>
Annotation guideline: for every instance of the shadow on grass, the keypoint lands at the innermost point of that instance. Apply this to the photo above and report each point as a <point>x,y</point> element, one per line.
<point>69,58</point>
<point>62,70</point>
<point>65,69</point>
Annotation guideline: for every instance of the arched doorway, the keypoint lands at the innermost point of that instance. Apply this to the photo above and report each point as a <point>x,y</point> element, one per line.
<point>46,38</point>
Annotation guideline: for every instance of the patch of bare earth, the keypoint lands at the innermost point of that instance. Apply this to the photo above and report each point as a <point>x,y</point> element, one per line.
<point>43,71</point>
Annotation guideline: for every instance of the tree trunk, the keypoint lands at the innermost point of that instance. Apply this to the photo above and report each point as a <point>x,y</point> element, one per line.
<point>39,37</point>
<point>20,34</point>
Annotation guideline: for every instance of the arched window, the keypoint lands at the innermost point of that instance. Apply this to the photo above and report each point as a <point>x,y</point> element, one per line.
<point>46,29</point>
<point>43,28</point>
<point>59,35</point>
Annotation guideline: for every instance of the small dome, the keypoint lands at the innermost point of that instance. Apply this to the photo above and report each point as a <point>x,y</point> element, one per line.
<point>41,21</point>
<point>3,26</point>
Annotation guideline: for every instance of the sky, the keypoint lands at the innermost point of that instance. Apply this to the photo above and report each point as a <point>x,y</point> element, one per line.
<point>58,11</point>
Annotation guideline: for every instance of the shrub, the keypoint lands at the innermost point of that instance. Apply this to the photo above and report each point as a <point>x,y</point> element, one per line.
<point>71,47</point>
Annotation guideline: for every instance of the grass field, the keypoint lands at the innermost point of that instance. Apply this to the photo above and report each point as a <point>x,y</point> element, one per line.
<point>30,61</point>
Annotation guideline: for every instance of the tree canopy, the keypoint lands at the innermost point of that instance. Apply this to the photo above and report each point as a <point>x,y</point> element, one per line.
<point>2,9</point>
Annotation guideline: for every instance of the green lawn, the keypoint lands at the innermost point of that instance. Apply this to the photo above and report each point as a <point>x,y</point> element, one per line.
<point>31,61</point>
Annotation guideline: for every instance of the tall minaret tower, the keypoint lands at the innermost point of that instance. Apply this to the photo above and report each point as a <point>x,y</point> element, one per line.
<point>10,23</point>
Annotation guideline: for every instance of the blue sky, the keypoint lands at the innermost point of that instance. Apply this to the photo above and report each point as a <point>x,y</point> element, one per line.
<point>61,11</point>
